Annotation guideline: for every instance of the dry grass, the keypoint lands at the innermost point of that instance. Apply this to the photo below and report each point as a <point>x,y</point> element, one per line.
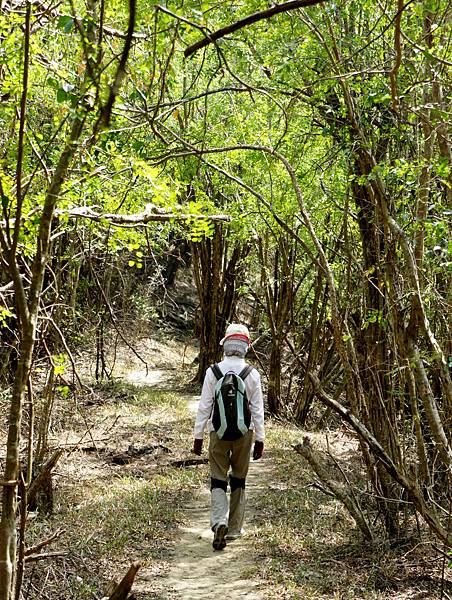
<point>117,502</point>
<point>117,495</point>
<point>308,546</point>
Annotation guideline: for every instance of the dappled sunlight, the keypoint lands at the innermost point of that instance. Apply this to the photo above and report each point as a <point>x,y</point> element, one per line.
<point>199,572</point>
<point>152,378</point>
<point>308,545</point>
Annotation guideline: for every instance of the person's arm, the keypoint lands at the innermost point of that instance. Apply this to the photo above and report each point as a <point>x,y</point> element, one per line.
<point>205,404</point>
<point>256,404</point>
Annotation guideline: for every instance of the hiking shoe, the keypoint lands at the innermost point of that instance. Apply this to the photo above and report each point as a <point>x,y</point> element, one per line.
<point>219,540</point>
<point>233,535</point>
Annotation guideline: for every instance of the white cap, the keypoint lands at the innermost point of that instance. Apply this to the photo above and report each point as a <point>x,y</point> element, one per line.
<point>238,331</point>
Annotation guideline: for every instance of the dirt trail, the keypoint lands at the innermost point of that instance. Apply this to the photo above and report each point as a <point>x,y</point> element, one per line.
<point>196,570</point>
<point>200,572</point>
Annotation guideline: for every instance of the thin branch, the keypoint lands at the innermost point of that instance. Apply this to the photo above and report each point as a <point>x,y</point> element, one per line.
<point>433,56</point>
<point>180,101</point>
<point>38,547</point>
<point>105,115</point>
<point>21,140</point>
<point>249,20</point>
<point>165,10</point>
<point>8,286</point>
<point>398,53</point>
<point>36,557</point>
<point>68,352</point>
<point>443,554</point>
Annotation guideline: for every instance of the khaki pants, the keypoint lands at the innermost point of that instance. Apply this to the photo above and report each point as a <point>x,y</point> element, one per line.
<point>224,455</point>
<point>231,458</point>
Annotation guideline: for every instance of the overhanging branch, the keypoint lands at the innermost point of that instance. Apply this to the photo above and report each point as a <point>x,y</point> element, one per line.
<point>249,20</point>
<point>152,213</point>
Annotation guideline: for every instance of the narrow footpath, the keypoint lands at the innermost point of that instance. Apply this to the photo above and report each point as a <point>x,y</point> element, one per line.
<point>196,571</point>
<point>200,572</point>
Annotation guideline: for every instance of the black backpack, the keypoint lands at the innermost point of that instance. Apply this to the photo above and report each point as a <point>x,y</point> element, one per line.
<point>231,415</point>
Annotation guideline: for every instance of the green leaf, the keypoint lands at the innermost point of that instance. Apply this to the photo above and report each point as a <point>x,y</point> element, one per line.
<point>52,82</point>
<point>66,23</point>
<point>64,390</point>
<point>5,201</point>
<point>61,95</point>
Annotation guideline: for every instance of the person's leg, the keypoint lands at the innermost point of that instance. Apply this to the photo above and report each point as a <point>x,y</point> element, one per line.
<point>237,507</point>
<point>240,460</point>
<point>219,506</point>
<point>219,452</point>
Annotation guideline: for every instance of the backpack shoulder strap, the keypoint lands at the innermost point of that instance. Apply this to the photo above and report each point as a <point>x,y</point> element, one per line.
<point>216,371</point>
<point>245,372</point>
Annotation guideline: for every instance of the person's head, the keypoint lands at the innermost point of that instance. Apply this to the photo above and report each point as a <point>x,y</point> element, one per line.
<point>236,340</point>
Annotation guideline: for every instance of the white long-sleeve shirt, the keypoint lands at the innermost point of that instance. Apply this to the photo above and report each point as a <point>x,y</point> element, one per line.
<point>253,393</point>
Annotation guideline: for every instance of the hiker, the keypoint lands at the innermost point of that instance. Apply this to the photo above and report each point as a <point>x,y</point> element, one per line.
<point>230,443</point>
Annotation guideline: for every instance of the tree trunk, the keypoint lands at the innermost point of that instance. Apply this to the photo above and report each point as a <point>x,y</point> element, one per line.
<point>27,303</point>
<point>380,416</point>
<point>306,395</point>
<point>11,472</point>
<point>279,292</point>
<point>217,278</point>
<point>274,378</point>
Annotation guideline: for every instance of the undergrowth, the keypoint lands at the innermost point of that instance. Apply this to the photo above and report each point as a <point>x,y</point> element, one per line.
<point>307,546</point>
<point>119,497</point>
<point>113,513</point>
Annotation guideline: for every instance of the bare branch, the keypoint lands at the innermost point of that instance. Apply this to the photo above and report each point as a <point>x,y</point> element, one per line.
<point>398,472</point>
<point>8,286</point>
<point>339,490</point>
<point>38,547</point>
<point>249,20</point>
<point>36,557</point>
<point>179,18</point>
<point>20,144</point>
<point>153,213</point>
<point>105,115</point>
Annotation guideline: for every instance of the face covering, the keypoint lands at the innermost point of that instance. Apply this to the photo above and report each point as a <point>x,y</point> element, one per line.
<point>235,347</point>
